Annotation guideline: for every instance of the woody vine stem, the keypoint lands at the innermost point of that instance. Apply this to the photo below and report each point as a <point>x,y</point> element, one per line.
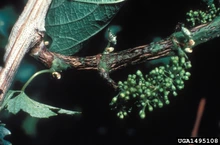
<point>28,33</point>
<point>108,63</point>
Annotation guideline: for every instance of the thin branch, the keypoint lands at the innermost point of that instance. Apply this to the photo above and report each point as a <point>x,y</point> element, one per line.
<point>26,33</point>
<point>200,111</point>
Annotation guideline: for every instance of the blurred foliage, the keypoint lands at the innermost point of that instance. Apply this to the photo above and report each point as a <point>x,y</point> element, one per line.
<point>29,125</point>
<point>208,2</point>
<point>8,17</point>
<point>4,132</point>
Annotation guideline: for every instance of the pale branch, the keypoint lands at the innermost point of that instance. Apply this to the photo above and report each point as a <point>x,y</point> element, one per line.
<point>107,63</point>
<point>26,33</point>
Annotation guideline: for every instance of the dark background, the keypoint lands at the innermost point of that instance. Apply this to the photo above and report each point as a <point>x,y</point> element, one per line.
<point>141,21</point>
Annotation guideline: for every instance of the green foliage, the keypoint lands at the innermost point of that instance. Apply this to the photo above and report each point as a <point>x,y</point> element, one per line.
<point>29,125</point>
<point>71,22</point>
<point>208,2</point>
<point>201,17</point>
<point>4,132</point>
<point>151,91</point>
<point>18,100</point>
<point>59,65</point>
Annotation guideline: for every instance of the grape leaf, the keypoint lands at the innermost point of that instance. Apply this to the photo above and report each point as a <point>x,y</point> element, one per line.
<point>71,22</point>
<point>4,132</point>
<point>34,108</point>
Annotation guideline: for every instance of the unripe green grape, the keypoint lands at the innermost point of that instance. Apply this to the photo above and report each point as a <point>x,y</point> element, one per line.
<point>166,93</point>
<point>143,103</point>
<point>168,84</point>
<point>179,68</point>
<point>173,88</point>
<point>162,68</point>
<point>132,89</point>
<point>175,62</point>
<point>153,72</point>
<point>174,68</point>
<point>140,83</point>
<point>148,93</point>
<point>182,72</point>
<point>125,82</point>
<point>133,82</point>
<point>144,87</point>
<point>181,82</point>
<point>155,100</point>
<point>127,93</point>
<point>167,80</point>
<point>125,113</point>
<point>159,77</point>
<point>172,76</point>
<point>139,73</point>
<point>165,97</point>
<point>125,87</point>
<point>182,60</point>
<point>147,84</point>
<point>161,71</point>
<point>167,102</point>
<point>138,87</point>
<point>154,82</point>
<point>150,108</point>
<point>160,89</point>
<point>195,13</point>
<point>134,95</point>
<point>186,78</point>
<point>176,58</point>
<point>180,87</point>
<point>122,95</point>
<point>142,96</point>
<point>147,101</point>
<point>120,83</point>
<point>142,114</point>
<point>156,70</point>
<point>188,65</point>
<point>127,98</point>
<point>148,90</point>
<point>172,58</point>
<point>177,81</point>
<point>134,76</point>
<point>114,100</point>
<point>160,104</point>
<point>121,116</point>
<point>140,91</point>
<point>187,74</point>
<point>146,76</point>
<point>174,93</point>
<point>129,80</point>
<point>154,94</point>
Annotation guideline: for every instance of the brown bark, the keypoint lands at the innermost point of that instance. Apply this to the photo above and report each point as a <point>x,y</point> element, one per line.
<point>26,33</point>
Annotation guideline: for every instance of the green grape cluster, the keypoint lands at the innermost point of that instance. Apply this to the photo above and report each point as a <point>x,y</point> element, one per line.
<point>201,17</point>
<point>152,90</point>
